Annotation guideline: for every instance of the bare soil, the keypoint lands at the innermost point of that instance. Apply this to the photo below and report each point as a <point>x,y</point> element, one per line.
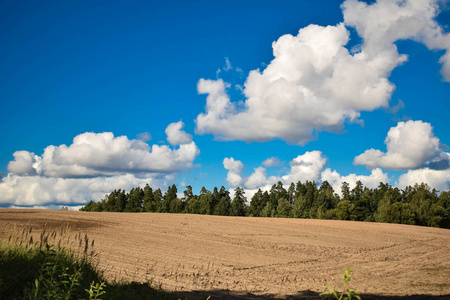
<point>261,256</point>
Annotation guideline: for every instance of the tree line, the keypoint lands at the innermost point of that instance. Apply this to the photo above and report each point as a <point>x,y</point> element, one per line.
<point>414,205</point>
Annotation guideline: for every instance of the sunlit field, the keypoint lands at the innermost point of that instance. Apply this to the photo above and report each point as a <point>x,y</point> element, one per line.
<point>181,252</point>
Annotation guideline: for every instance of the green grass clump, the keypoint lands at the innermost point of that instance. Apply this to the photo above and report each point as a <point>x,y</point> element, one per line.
<point>45,272</point>
<point>42,271</point>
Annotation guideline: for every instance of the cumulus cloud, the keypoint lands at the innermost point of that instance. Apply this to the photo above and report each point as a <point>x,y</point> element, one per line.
<point>314,83</point>
<point>176,136</point>
<point>438,179</point>
<point>371,181</point>
<point>383,23</point>
<point>24,163</point>
<point>258,178</point>
<point>409,145</point>
<point>102,154</point>
<point>436,173</point>
<point>307,167</point>
<point>272,162</point>
<point>234,167</point>
<point>94,164</point>
<point>304,167</point>
<point>43,191</point>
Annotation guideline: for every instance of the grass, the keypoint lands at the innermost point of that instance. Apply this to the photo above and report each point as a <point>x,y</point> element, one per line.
<point>42,268</point>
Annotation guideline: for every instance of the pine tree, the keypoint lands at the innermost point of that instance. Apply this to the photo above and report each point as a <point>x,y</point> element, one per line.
<point>149,202</point>
<point>256,205</point>
<point>238,204</point>
<point>134,200</point>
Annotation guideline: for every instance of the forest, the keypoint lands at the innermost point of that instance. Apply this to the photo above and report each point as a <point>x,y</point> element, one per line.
<point>417,205</point>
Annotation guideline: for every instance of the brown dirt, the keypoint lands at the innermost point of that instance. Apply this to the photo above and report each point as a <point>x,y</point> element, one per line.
<point>257,255</point>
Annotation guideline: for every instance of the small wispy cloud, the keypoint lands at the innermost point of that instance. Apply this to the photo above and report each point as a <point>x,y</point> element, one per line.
<point>272,162</point>
<point>144,136</point>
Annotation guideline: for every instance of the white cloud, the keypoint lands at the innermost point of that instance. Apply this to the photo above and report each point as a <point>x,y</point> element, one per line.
<point>234,167</point>
<point>311,166</point>
<point>144,136</point>
<point>385,22</point>
<point>314,84</point>
<point>24,163</point>
<point>372,181</point>
<point>176,136</point>
<point>307,167</point>
<point>227,65</point>
<point>304,167</point>
<point>94,164</point>
<point>102,154</point>
<point>272,162</point>
<point>409,145</point>
<point>257,179</point>
<point>43,191</point>
<point>438,179</point>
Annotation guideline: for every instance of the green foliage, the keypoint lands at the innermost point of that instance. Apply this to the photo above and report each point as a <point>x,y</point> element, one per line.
<point>149,203</point>
<point>238,203</point>
<point>91,206</point>
<point>135,200</point>
<point>346,294</point>
<point>38,271</point>
<point>258,203</point>
<point>417,205</point>
<point>56,279</point>
<point>223,207</point>
<point>344,210</point>
<point>268,211</point>
<point>284,208</point>
<point>96,290</point>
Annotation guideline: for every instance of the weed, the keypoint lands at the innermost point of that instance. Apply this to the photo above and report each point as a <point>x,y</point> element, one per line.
<point>96,290</point>
<point>346,294</point>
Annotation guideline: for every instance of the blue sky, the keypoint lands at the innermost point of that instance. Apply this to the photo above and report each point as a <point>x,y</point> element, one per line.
<point>70,68</point>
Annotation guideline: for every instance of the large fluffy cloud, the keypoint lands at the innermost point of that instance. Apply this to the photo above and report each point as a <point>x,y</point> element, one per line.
<point>96,154</point>
<point>39,190</point>
<point>314,83</point>
<point>438,179</point>
<point>410,145</point>
<point>383,23</point>
<point>94,164</point>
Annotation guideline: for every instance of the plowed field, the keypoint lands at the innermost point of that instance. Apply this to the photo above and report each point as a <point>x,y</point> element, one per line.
<point>257,255</point>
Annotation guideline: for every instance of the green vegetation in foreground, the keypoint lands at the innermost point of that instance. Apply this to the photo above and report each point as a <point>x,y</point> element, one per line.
<point>417,205</point>
<point>46,272</point>
<point>347,293</point>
